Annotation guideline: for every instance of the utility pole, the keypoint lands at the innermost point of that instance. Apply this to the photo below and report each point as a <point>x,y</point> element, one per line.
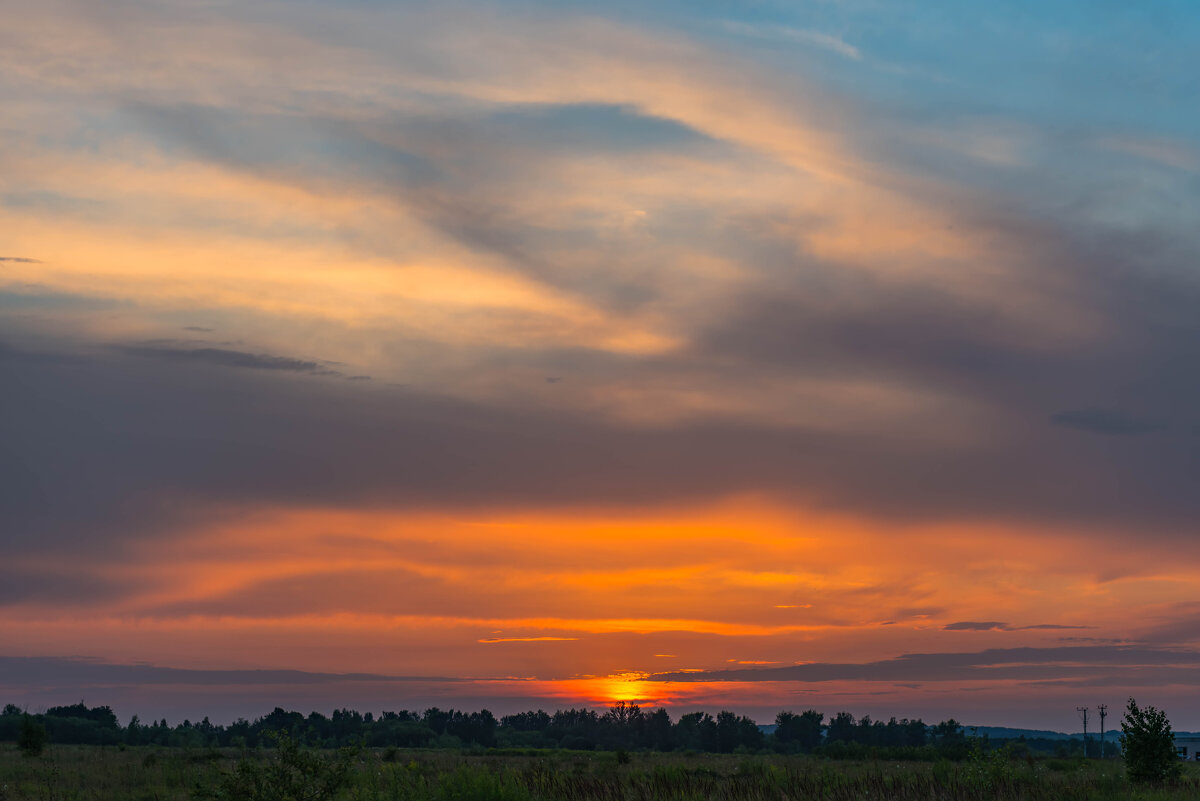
<point>1103,709</point>
<point>1083,710</point>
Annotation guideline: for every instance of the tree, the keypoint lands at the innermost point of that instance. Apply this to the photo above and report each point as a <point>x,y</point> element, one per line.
<point>658,730</point>
<point>1149,745</point>
<point>801,731</point>
<point>841,728</point>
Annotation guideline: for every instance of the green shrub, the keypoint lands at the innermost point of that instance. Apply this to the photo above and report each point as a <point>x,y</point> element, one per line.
<point>293,773</point>
<point>33,737</point>
<point>1148,745</point>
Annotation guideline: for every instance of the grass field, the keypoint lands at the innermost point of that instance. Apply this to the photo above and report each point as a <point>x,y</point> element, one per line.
<point>95,773</point>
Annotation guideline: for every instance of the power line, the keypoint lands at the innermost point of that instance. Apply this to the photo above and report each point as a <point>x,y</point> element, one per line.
<point>1083,710</point>
<point>1103,709</point>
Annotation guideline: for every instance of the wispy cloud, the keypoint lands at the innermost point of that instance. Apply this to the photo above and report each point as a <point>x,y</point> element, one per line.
<point>1107,663</point>
<point>228,358</point>
<point>527,639</point>
<point>79,671</point>
<point>995,625</point>
<point>798,35</point>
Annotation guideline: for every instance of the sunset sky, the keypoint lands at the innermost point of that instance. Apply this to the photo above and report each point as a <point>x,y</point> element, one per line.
<point>777,355</point>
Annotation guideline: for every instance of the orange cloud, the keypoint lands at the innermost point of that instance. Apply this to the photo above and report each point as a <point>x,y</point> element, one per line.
<point>574,592</point>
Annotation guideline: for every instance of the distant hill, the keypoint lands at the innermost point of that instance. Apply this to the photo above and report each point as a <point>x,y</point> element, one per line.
<point>997,732</point>
<point>1006,733</point>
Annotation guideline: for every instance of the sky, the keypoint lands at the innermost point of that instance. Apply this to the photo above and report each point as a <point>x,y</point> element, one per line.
<point>836,354</point>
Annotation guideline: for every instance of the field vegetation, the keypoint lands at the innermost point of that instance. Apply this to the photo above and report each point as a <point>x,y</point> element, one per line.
<point>146,773</point>
<point>625,754</point>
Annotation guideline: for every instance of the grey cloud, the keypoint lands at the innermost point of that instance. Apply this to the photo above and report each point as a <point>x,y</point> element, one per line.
<point>77,671</point>
<point>1104,421</point>
<point>38,297</point>
<point>1185,628</point>
<point>20,260</point>
<point>975,353</point>
<point>586,127</point>
<point>464,191</point>
<point>50,588</point>
<point>198,328</point>
<point>228,358</point>
<point>1073,663</point>
<point>9,353</point>
<point>968,625</point>
<point>995,625</point>
<point>105,449</point>
<point>273,143</point>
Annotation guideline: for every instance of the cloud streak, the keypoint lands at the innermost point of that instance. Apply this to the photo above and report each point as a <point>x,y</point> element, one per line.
<point>1110,663</point>
<point>228,358</point>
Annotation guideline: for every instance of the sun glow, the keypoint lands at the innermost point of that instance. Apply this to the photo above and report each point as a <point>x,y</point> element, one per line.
<point>630,687</point>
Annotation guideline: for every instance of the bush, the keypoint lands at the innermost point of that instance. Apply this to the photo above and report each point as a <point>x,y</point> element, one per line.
<point>32,740</point>
<point>1149,745</point>
<point>294,773</point>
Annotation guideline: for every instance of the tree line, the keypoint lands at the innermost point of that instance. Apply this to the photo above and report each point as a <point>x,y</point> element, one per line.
<point>622,727</point>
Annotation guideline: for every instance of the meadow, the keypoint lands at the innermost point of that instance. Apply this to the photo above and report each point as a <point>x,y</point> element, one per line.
<point>149,773</point>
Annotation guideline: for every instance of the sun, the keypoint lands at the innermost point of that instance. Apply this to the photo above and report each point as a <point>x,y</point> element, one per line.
<point>631,687</point>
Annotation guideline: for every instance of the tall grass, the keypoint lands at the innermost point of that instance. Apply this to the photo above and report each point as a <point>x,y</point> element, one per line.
<point>99,773</point>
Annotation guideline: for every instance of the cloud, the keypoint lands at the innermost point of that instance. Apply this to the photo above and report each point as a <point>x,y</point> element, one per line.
<point>62,588</point>
<point>35,670</point>
<point>183,434</point>
<point>995,625</point>
<point>801,35</point>
<point>759,280</point>
<point>20,260</point>
<point>1103,663</point>
<point>1104,421</point>
<point>967,625</point>
<point>10,353</point>
<point>490,640</point>
<point>228,358</point>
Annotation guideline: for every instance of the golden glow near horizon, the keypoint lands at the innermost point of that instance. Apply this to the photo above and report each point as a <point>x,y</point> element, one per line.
<point>527,356</point>
<point>583,604</point>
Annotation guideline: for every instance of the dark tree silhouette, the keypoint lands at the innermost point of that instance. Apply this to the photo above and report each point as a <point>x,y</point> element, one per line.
<point>800,732</point>
<point>1149,745</point>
